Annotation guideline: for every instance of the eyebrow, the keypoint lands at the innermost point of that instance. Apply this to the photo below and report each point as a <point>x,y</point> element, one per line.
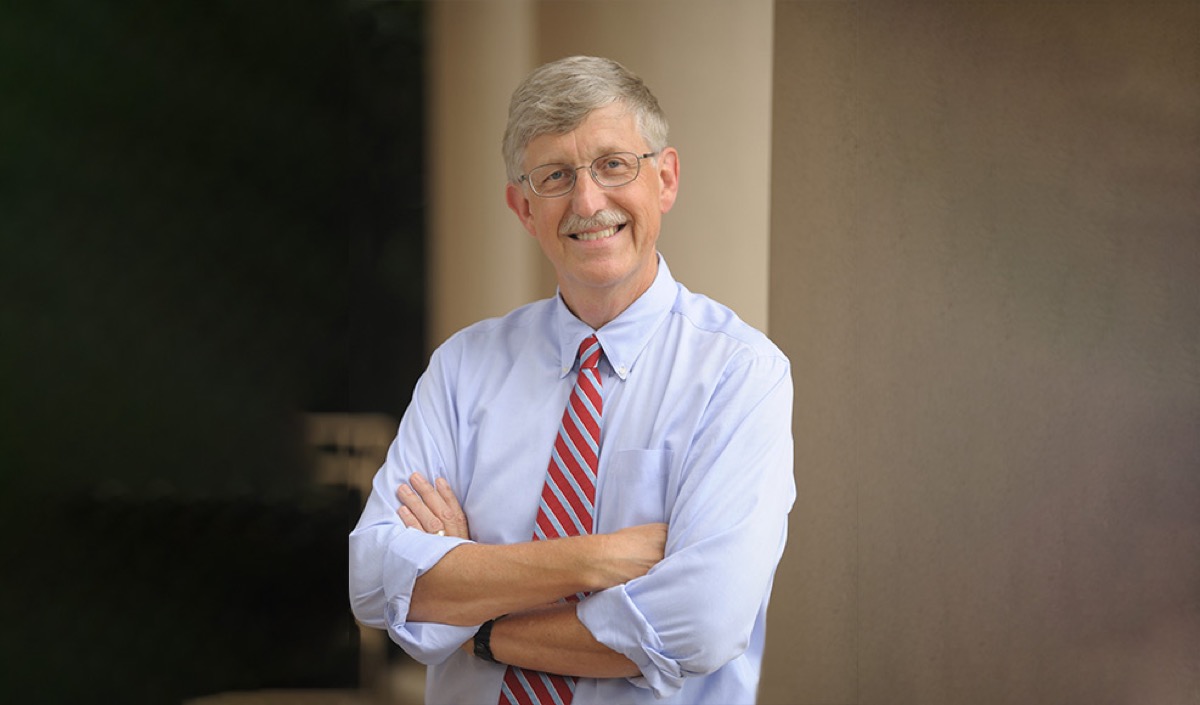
<point>601,153</point>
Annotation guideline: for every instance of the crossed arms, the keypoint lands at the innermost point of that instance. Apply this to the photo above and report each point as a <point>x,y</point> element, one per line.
<point>476,582</point>
<point>664,606</point>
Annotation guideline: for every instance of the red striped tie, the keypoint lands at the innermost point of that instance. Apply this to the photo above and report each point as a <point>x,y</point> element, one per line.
<point>565,510</point>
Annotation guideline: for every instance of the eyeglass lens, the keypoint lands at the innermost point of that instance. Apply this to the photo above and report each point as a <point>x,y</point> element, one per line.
<point>610,170</point>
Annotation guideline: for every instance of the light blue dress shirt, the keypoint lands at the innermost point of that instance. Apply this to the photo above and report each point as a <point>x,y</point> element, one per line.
<point>696,433</point>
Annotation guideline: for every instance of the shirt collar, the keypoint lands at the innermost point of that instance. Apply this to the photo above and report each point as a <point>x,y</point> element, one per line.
<point>624,337</point>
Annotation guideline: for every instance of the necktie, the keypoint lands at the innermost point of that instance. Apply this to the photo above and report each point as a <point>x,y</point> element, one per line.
<point>565,509</point>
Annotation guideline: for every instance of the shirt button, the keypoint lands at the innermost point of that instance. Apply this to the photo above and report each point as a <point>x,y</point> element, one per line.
<point>622,370</point>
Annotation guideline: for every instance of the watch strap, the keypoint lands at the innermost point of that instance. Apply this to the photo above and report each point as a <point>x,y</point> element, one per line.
<point>483,641</point>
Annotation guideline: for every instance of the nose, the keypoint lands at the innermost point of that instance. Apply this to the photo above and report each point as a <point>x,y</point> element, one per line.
<point>589,197</point>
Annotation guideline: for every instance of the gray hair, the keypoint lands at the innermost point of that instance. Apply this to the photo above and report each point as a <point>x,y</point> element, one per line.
<point>557,97</point>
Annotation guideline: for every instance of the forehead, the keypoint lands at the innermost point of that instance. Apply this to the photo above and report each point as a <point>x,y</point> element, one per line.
<point>611,128</point>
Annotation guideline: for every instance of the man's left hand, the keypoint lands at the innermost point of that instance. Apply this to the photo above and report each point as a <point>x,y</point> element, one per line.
<point>432,508</point>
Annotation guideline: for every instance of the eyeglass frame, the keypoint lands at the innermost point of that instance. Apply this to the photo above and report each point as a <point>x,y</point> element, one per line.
<point>524,178</point>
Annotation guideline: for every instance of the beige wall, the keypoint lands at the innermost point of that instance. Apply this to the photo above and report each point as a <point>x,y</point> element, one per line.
<point>709,63</point>
<point>481,263</point>
<point>985,265</point>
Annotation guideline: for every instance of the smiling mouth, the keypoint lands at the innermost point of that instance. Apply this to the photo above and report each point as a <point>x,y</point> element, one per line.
<point>598,234</point>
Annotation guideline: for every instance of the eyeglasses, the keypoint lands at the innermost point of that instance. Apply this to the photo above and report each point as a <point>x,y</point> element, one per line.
<point>609,171</point>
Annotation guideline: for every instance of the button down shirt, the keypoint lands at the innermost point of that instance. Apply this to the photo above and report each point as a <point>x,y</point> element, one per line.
<point>696,433</point>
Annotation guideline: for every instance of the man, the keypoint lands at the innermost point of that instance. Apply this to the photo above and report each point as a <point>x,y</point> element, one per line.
<point>658,525</point>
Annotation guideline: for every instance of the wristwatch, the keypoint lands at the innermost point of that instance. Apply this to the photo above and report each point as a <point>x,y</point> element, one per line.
<point>483,641</point>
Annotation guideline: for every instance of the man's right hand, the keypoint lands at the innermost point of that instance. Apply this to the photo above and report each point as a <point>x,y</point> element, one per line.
<point>630,553</point>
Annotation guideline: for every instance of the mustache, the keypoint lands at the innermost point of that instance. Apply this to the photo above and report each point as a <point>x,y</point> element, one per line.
<point>602,219</point>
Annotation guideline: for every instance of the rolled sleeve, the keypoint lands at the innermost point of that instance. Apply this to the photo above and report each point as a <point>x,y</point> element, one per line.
<point>386,558</point>
<point>410,555</point>
<point>616,622</point>
<point>698,609</point>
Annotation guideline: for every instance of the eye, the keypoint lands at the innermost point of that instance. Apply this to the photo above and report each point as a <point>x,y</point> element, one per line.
<point>613,164</point>
<point>551,175</point>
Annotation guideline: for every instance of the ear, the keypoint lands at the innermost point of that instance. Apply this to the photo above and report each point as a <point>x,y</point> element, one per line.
<point>668,177</point>
<point>519,204</point>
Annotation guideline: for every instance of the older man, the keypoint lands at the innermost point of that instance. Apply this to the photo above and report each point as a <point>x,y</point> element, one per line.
<point>587,498</point>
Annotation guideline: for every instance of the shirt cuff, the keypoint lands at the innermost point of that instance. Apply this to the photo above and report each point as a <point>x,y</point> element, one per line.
<point>615,621</point>
<point>410,555</point>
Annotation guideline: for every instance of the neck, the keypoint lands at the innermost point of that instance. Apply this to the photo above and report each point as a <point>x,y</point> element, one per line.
<point>596,315</point>
<point>597,307</point>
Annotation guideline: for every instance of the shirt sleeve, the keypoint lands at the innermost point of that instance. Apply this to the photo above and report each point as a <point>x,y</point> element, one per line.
<point>386,558</point>
<point>695,611</point>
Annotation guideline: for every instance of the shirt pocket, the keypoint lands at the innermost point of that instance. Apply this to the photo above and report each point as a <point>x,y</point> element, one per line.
<point>633,489</point>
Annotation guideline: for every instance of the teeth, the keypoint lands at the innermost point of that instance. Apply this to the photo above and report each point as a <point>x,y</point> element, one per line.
<point>598,235</point>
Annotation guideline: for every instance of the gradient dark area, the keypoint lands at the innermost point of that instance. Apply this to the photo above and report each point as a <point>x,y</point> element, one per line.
<point>211,217</point>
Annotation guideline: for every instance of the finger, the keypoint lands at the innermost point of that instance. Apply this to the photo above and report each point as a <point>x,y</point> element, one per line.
<point>429,494</point>
<point>447,495</point>
<point>449,515</point>
<point>429,522</point>
<point>454,517</point>
<point>409,519</point>
<point>432,500</point>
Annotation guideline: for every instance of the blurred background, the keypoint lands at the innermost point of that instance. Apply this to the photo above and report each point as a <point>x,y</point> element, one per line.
<point>230,232</point>
<point>212,223</point>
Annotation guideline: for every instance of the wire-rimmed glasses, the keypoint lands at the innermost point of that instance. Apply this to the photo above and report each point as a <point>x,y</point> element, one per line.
<point>609,171</point>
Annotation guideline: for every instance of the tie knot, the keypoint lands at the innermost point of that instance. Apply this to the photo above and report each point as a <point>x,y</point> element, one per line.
<point>589,353</point>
